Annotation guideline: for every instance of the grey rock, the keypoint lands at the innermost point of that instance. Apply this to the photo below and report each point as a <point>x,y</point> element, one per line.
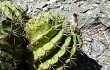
<point>52,1</point>
<point>95,46</point>
<point>108,54</point>
<point>104,59</point>
<point>86,20</point>
<point>45,9</point>
<point>108,68</point>
<point>83,7</point>
<point>40,5</point>
<point>105,21</point>
<point>61,7</point>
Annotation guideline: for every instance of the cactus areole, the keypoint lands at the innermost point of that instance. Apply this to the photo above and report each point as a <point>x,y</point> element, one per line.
<point>51,40</point>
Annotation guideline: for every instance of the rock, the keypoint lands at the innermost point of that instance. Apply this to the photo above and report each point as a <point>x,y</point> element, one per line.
<point>52,1</point>
<point>97,49</point>
<point>41,5</point>
<point>61,7</point>
<point>107,36</point>
<point>88,39</point>
<point>108,68</point>
<point>45,9</point>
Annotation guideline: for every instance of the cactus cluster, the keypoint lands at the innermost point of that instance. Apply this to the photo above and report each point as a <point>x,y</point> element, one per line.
<point>52,42</point>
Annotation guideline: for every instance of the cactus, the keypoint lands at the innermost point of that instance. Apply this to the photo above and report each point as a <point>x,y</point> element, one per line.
<point>11,36</point>
<point>52,42</point>
<point>11,41</point>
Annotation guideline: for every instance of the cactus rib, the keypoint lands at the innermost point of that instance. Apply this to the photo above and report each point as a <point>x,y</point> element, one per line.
<point>55,58</point>
<point>43,39</point>
<point>50,46</point>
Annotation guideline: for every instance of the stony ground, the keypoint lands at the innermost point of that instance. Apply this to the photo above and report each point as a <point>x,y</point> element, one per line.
<point>95,33</point>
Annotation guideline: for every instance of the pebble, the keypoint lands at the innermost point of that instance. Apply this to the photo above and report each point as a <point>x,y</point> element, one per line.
<point>88,39</point>
<point>61,7</point>
<point>45,9</point>
<point>52,1</point>
<point>96,46</point>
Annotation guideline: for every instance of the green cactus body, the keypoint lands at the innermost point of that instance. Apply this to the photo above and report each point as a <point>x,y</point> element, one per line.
<point>80,42</point>
<point>40,28</point>
<point>43,39</point>
<point>48,47</point>
<point>49,40</point>
<point>73,49</point>
<point>59,68</point>
<point>56,56</point>
<point>64,65</point>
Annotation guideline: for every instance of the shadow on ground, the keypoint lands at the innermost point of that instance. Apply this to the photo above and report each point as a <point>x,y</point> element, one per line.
<point>83,62</point>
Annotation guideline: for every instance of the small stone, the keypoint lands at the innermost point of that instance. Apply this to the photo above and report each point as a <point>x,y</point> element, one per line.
<point>45,9</point>
<point>88,39</point>
<point>29,11</point>
<point>61,7</point>
<point>52,1</point>
<point>97,49</point>
<point>96,45</point>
